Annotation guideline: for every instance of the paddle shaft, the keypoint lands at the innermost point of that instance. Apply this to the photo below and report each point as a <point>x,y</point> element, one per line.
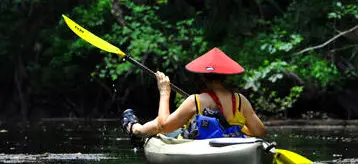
<point>150,72</point>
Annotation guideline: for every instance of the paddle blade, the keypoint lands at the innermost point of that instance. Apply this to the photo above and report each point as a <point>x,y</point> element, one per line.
<point>288,157</point>
<point>91,38</point>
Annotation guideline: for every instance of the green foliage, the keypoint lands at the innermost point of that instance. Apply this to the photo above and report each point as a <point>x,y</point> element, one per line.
<point>279,40</point>
<point>340,10</point>
<point>162,1</point>
<point>179,99</point>
<point>67,45</point>
<point>144,36</point>
<point>247,37</point>
<point>261,82</point>
<point>269,71</point>
<point>53,61</point>
<point>303,24</point>
<point>269,102</point>
<point>318,71</point>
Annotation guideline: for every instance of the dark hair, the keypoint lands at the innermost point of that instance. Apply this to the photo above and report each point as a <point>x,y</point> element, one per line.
<point>213,77</point>
<point>217,77</point>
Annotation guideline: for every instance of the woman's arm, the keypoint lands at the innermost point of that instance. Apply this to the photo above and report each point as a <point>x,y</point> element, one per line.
<point>163,83</point>
<point>166,122</point>
<point>179,117</point>
<point>253,126</point>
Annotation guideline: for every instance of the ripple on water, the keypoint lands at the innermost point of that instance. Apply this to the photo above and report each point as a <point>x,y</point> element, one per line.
<point>49,157</point>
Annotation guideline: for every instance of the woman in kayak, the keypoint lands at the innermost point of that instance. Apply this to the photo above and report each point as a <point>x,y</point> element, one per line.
<point>234,108</point>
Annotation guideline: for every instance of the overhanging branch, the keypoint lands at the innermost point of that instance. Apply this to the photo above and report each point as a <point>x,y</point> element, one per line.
<point>328,41</point>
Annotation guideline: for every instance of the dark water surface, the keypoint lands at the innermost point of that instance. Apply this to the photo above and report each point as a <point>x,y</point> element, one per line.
<point>102,141</point>
<point>322,144</point>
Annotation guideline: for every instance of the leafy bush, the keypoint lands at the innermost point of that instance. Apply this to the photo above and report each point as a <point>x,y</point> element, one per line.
<point>144,36</point>
<point>147,38</point>
<point>263,96</point>
<point>280,40</point>
<point>318,71</point>
<point>341,10</point>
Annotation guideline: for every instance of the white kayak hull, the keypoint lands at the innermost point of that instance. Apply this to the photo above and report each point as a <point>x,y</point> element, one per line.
<point>163,150</point>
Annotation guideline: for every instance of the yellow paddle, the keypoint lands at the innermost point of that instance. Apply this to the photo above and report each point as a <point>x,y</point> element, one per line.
<point>280,157</point>
<point>104,45</point>
<point>288,157</point>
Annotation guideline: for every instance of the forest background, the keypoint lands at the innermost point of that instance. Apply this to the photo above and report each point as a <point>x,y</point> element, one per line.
<point>300,56</point>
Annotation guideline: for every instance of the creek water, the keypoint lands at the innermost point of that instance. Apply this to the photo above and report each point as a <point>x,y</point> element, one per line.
<point>102,141</point>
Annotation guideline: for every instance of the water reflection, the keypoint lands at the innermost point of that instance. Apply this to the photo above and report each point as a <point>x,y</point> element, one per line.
<point>103,142</point>
<point>320,144</point>
<point>63,141</point>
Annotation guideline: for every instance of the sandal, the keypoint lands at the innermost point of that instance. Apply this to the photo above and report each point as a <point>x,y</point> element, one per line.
<point>128,119</point>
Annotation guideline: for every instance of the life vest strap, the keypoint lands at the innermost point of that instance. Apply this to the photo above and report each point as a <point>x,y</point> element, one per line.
<point>238,95</point>
<point>197,104</point>
<point>217,100</point>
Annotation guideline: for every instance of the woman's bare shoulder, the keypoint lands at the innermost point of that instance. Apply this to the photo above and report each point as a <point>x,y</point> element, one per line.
<point>243,97</point>
<point>205,100</point>
<point>189,100</point>
<point>246,105</point>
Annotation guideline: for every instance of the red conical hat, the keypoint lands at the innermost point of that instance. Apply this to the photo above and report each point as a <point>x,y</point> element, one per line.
<point>214,61</point>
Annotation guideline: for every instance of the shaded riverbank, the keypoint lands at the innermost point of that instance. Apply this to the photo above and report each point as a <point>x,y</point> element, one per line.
<point>289,123</point>
<point>328,122</point>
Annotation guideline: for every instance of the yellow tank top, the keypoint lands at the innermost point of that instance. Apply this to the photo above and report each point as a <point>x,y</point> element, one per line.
<point>238,118</point>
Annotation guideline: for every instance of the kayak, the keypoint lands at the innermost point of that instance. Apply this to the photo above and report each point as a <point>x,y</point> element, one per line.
<point>161,149</point>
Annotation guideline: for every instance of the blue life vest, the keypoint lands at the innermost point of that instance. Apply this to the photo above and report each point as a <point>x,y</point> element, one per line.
<point>210,127</point>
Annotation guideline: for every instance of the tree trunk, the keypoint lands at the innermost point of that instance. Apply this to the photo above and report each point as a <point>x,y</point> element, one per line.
<point>20,75</point>
<point>117,12</point>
